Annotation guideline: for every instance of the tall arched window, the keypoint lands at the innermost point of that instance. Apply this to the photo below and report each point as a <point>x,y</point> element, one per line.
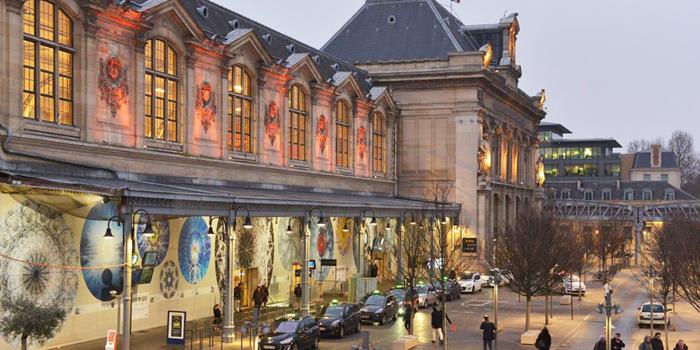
<point>342,135</point>
<point>378,137</point>
<point>297,123</point>
<point>48,63</point>
<point>161,102</point>
<point>240,110</point>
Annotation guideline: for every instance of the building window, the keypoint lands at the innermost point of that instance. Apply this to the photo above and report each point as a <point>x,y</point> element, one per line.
<point>378,137</point>
<point>647,195</point>
<point>48,63</point>
<point>240,110</point>
<point>588,195</point>
<point>670,195</point>
<point>607,195</point>
<point>612,170</point>
<point>342,135</point>
<point>161,103</point>
<point>629,195</point>
<point>664,177</point>
<point>566,194</point>
<point>551,170</point>
<point>647,177</point>
<point>297,123</point>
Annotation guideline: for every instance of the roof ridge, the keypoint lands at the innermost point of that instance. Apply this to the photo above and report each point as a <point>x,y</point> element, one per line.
<point>342,28</point>
<point>445,27</point>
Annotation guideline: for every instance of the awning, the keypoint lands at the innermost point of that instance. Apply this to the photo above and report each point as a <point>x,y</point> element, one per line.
<point>173,196</point>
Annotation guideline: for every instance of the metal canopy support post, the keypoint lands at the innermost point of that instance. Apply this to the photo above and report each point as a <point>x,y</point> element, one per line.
<point>229,309</point>
<point>399,255</point>
<point>126,298</point>
<point>305,265</point>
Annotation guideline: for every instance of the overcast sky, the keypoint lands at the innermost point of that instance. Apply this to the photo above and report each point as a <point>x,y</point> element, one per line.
<point>626,69</point>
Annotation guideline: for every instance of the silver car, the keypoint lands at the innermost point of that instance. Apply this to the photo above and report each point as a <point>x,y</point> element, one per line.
<point>426,296</point>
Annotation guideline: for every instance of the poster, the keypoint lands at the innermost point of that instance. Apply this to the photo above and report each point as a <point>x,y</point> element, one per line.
<point>176,327</point>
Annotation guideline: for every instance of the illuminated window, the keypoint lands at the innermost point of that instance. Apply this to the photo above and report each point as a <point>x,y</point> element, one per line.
<point>48,63</point>
<point>378,137</point>
<point>297,123</point>
<point>161,102</point>
<point>240,110</point>
<point>342,135</point>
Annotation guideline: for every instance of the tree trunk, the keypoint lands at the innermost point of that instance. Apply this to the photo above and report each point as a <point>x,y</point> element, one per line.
<point>527,312</point>
<point>24,342</point>
<point>546,310</point>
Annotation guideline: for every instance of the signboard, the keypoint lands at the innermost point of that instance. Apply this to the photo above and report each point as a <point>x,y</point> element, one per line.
<point>111,340</point>
<point>469,245</point>
<point>176,327</point>
<point>312,264</point>
<point>328,262</point>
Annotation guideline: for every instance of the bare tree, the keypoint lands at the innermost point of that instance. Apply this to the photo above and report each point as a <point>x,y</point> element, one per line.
<point>608,242</point>
<point>532,251</point>
<point>682,237</point>
<point>643,145</point>
<point>681,143</point>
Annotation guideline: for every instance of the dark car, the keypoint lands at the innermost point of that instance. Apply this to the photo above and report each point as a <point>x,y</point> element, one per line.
<point>400,295</point>
<point>454,290</point>
<point>380,308</point>
<point>292,333</point>
<point>340,319</point>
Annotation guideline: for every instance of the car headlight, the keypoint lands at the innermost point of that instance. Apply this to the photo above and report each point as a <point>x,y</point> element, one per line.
<point>286,341</point>
<point>379,311</point>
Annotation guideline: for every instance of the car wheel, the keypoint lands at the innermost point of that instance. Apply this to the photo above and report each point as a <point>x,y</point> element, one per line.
<point>383,320</point>
<point>358,328</point>
<point>341,332</point>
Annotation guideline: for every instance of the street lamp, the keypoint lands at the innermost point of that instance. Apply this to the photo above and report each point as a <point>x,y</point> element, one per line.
<point>651,275</point>
<point>607,307</point>
<point>248,223</point>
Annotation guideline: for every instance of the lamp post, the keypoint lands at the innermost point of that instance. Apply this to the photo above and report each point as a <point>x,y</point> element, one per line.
<point>651,275</point>
<point>301,233</point>
<point>496,282</point>
<point>130,258</point>
<point>607,307</point>
<point>229,308</point>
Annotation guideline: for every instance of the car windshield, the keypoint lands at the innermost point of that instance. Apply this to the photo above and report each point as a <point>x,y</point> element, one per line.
<point>467,275</point>
<point>422,289</point>
<point>375,300</point>
<point>287,327</point>
<point>571,279</point>
<point>398,293</point>
<point>657,308</point>
<point>334,311</point>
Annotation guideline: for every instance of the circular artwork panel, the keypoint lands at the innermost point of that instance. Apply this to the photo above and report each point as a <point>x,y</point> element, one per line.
<point>194,250</point>
<point>169,279</point>
<point>96,251</point>
<point>158,242</point>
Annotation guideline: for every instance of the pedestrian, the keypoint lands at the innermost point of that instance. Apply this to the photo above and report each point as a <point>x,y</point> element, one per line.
<point>265,294</point>
<point>656,343</point>
<point>617,343</point>
<point>489,333</point>
<point>408,318</point>
<point>646,344</point>
<point>297,295</point>
<point>600,344</point>
<point>217,317</point>
<point>437,323</point>
<point>237,294</point>
<point>544,340</point>
<point>681,345</point>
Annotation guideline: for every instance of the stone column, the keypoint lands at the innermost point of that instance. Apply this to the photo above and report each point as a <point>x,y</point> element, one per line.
<point>229,325</point>
<point>305,266</point>
<point>126,293</point>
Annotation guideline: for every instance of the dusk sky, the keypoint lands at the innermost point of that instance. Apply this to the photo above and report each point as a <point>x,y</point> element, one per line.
<point>624,69</point>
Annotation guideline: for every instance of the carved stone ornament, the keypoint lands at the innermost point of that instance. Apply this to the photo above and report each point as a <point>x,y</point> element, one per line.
<point>322,133</point>
<point>272,122</point>
<point>484,156</point>
<point>113,83</point>
<point>361,142</point>
<point>539,176</point>
<point>205,105</point>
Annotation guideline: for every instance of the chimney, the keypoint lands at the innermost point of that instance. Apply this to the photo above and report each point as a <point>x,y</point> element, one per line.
<point>656,156</point>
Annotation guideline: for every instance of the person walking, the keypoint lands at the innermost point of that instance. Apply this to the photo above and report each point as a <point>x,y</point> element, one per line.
<point>297,295</point>
<point>681,345</point>
<point>656,343</point>
<point>436,323</point>
<point>600,344</point>
<point>408,318</point>
<point>237,294</point>
<point>617,343</point>
<point>489,333</point>
<point>257,303</point>
<point>265,294</point>
<point>544,340</point>
<point>646,344</point>
<point>217,317</point>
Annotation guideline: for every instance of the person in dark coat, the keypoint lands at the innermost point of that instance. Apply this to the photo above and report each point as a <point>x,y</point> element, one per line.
<point>617,343</point>
<point>681,345</point>
<point>656,343</point>
<point>297,294</point>
<point>258,297</point>
<point>217,317</point>
<point>600,344</point>
<point>265,294</point>
<point>436,323</point>
<point>408,318</point>
<point>646,344</point>
<point>489,333</point>
<point>544,340</point>
<point>237,296</point>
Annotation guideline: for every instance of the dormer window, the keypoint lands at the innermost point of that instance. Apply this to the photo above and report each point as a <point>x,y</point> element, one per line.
<point>670,195</point>
<point>565,194</point>
<point>647,195</point>
<point>629,195</point>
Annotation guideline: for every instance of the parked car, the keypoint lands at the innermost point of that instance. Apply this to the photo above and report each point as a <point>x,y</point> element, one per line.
<point>340,319</point>
<point>470,282</point>
<point>451,286</point>
<point>645,316</point>
<point>400,295</point>
<point>292,333</point>
<point>426,295</point>
<point>572,285</point>
<point>380,308</point>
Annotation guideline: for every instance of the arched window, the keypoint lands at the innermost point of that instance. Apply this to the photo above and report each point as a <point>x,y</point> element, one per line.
<point>297,123</point>
<point>240,110</point>
<point>161,102</point>
<point>378,137</point>
<point>48,63</point>
<point>342,135</point>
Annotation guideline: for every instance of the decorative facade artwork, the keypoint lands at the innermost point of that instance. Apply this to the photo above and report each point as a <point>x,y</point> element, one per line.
<point>322,133</point>
<point>272,122</point>
<point>539,175</point>
<point>343,238</point>
<point>169,279</point>
<point>263,257</point>
<point>322,243</point>
<point>38,236</point>
<point>220,256</point>
<point>96,251</point>
<point>194,250</point>
<point>289,243</point>
<point>361,142</point>
<point>245,248</point>
<point>158,242</point>
<point>484,157</point>
<point>113,82</point>
<point>205,105</point>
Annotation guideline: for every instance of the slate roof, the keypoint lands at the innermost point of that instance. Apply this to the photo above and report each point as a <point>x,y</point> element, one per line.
<point>658,189</point>
<point>219,21</point>
<point>553,127</point>
<point>642,160</point>
<point>387,30</point>
<point>608,142</point>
